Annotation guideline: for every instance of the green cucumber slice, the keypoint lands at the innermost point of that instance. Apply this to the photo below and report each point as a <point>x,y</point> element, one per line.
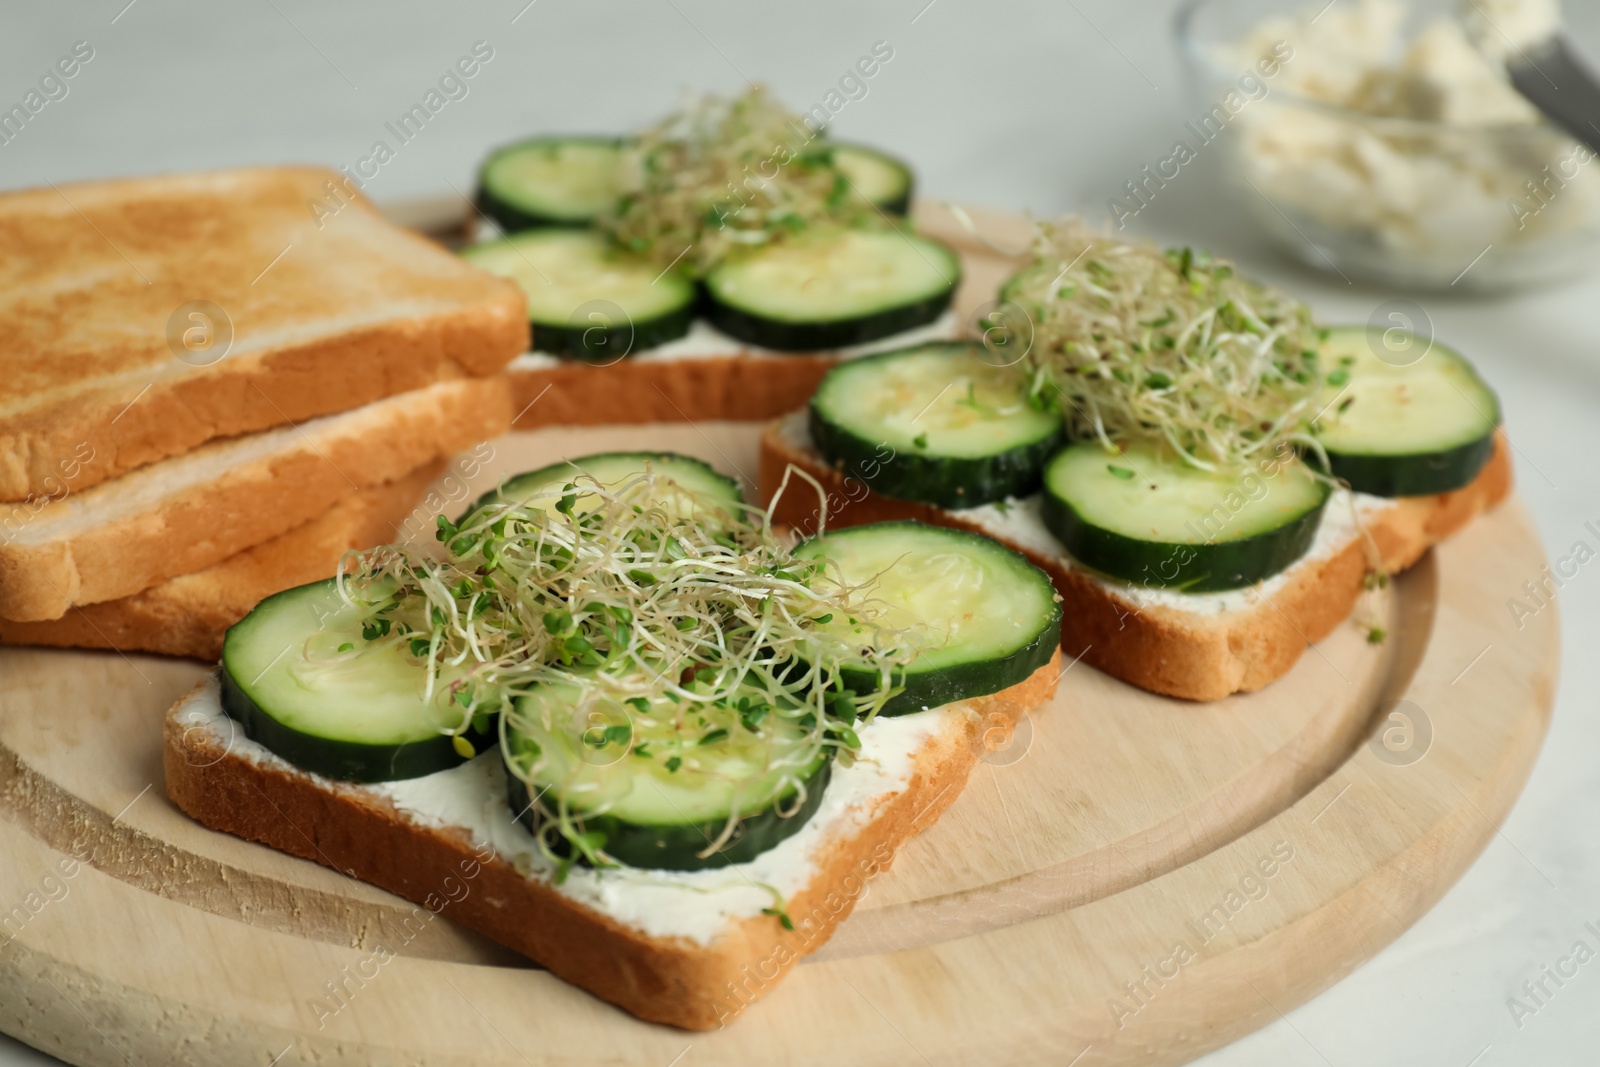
<point>1145,516</point>
<point>1404,430</point>
<point>832,289</point>
<point>586,298</point>
<point>933,423</point>
<point>543,488</point>
<point>303,681</point>
<point>550,181</point>
<point>877,177</point>
<point>660,782</point>
<point>981,616</point>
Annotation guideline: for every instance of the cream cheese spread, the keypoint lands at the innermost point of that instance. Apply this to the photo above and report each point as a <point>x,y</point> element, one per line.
<point>1481,169</point>
<point>704,341</point>
<point>696,906</point>
<point>1020,522</point>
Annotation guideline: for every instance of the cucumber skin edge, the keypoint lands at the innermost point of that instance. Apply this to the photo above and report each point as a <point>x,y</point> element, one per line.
<point>1419,473</point>
<point>966,681</point>
<point>497,494</point>
<point>568,341</point>
<point>944,481</point>
<point>900,205</point>
<point>512,219</point>
<point>637,845</point>
<point>1416,474</point>
<point>895,205</point>
<point>349,761</point>
<point>1211,568</point>
<point>811,337</point>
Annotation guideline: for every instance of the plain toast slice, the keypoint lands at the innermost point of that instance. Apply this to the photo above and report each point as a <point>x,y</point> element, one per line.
<point>192,511</point>
<point>1196,646</point>
<point>691,949</point>
<point>188,615</point>
<point>104,368</point>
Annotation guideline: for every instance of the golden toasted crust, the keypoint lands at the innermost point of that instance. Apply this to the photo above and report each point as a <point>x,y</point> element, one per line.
<point>740,388</point>
<point>146,529</point>
<point>188,615</point>
<point>666,980</point>
<point>1152,646</point>
<point>328,312</point>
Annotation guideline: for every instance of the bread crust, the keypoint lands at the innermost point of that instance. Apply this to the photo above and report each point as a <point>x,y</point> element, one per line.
<point>356,310</point>
<point>189,615</point>
<point>163,535</point>
<point>665,980</point>
<point>1152,646</point>
<point>743,388</point>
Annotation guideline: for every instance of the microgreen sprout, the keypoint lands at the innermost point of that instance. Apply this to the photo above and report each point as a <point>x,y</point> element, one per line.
<point>643,620</point>
<point>1134,343</point>
<point>726,174</point>
<point>1174,348</point>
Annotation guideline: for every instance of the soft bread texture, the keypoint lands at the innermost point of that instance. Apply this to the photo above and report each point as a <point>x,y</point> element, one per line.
<point>1155,646</point>
<point>666,980</point>
<point>744,388</point>
<point>327,314</point>
<point>195,510</point>
<point>188,615</point>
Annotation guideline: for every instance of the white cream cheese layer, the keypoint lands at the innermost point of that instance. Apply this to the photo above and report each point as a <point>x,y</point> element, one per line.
<point>694,905</point>
<point>1020,522</point>
<point>704,341</point>
<point>1358,162</point>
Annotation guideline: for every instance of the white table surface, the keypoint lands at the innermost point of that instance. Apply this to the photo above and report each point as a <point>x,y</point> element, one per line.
<point>1016,105</point>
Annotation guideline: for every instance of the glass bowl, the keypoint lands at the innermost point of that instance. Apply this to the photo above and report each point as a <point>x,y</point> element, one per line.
<point>1406,202</point>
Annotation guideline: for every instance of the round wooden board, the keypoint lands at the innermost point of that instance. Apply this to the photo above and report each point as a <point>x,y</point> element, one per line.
<point>1106,836</point>
<point>1099,895</point>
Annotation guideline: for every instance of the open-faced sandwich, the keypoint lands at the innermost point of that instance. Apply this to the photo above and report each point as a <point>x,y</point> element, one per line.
<point>670,745</point>
<point>1211,479</point>
<point>713,266</point>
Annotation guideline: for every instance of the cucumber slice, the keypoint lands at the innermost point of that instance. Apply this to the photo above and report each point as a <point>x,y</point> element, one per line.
<point>877,177</point>
<point>660,782</point>
<point>303,681</point>
<point>933,423</point>
<point>586,298</point>
<point>550,181</point>
<point>543,488</point>
<point>1404,430</point>
<point>832,289</point>
<point>981,617</point>
<point>1147,517</point>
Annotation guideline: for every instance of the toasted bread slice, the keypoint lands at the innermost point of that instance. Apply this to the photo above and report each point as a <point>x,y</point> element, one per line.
<point>329,306</point>
<point>195,510</point>
<point>1196,646</point>
<point>691,949</point>
<point>706,375</point>
<point>188,615</point>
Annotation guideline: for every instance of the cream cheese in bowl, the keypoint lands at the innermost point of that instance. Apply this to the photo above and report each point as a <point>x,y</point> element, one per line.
<point>1394,146</point>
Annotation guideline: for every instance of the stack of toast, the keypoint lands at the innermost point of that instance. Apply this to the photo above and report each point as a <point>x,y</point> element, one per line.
<point>211,388</point>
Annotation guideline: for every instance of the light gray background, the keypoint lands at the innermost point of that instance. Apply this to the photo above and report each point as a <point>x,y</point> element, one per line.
<point>1016,105</point>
